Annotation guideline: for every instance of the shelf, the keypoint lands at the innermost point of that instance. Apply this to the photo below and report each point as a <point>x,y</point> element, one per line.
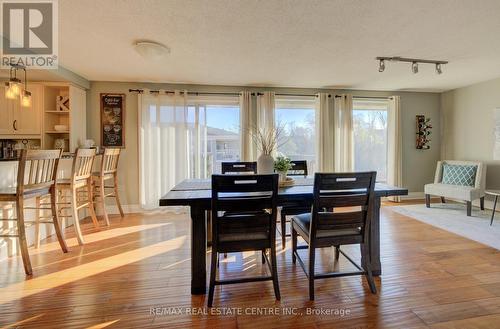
<point>57,132</point>
<point>58,112</point>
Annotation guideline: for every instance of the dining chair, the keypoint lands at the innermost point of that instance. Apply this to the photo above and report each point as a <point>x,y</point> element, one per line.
<point>233,168</point>
<point>299,168</point>
<point>239,168</point>
<point>78,189</point>
<point>36,179</point>
<point>244,219</point>
<point>108,173</point>
<point>326,226</point>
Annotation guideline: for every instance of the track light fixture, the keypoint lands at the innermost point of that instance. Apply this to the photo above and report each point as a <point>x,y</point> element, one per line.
<point>381,65</point>
<point>414,67</point>
<point>414,63</point>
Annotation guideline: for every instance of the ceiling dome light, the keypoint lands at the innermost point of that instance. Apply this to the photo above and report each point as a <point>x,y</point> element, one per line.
<point>151,50</point>
<point>438,68</point>
<point>381,65</point>
<point>414,67</point>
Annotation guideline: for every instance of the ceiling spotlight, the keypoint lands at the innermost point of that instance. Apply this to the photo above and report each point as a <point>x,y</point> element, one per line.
<point>414,67</point>
<point>438,68</point>
<point>381,65</point>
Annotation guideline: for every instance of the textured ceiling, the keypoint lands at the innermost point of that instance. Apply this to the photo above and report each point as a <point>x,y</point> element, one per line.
<point>289,43</point>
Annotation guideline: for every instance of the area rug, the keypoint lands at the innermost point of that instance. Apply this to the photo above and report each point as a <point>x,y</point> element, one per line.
<point>452,217</point>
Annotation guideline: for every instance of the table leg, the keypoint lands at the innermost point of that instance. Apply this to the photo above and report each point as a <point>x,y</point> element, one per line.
<point>198,251</point>
<point>374,243</point>
<point>493,212</point>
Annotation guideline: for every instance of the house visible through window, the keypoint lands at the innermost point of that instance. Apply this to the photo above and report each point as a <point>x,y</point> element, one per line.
<point>220,139</point>
<point>297,115</point>
<point>370,136</point>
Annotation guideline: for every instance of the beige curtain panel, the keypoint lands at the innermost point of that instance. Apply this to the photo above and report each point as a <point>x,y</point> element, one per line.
<point>325,133</point>
<point>394,145</point>
<point>344,147</point>
<point>248,120</point>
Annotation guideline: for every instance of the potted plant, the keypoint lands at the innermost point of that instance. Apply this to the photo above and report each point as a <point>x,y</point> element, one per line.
<point>281,165</point>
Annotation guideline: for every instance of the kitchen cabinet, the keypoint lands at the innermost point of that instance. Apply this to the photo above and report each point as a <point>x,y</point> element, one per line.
<point>16,120</point>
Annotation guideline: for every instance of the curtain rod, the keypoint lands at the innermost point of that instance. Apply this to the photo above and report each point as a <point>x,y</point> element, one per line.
<point>258,94</point>
<point>140,91</point>
<point>371,97</point>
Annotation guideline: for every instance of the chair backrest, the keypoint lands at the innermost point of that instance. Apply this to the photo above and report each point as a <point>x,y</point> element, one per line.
<point>239,167</point>
<point>352,191</point>
<point>109,163</point>
<point>240,194</point>
<point>299,168</point>
<point>82,164</point>
<point>37,169</point>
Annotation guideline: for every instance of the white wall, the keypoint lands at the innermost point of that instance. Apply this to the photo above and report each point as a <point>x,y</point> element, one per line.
<point>468,130</point>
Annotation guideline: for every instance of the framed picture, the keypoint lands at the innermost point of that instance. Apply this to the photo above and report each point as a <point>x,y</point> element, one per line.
<point>113,120</point>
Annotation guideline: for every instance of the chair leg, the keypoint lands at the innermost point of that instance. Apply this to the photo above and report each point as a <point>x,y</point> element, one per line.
<point>213,274</point>
<point>74,209</point>
<point>283,231</point>
<point>294,245</point>
<point>311,271</point>
<point>55,219</point>
<point>263,256</point>
<point>337,253</point>
<point>443,200</point>
<point>103,202</point>
<point>117,198</point>
<point>275,272</point>
<point>21,231</point>
<point>90,197</point>
<point>37,222</point>
<point>469,208</point>
<point>481,201</point>
<point>368,269</point>
<point>428,200</point>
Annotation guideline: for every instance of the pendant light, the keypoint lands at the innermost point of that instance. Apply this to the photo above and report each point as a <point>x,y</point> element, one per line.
<point>14,89</point>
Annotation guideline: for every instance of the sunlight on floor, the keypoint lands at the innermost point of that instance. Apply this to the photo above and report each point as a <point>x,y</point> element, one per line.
<point>18,323</point>
<point>106,233</point>
<point>103,325</point>
<point>56,279</point>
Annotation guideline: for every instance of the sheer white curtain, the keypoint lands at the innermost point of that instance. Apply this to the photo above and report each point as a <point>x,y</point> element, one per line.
<point>171,143</point>
<point>265,110</point>
<point>248,121</point>
<point>394,145</point>
<point>325,133</point>
<point>344,147</point>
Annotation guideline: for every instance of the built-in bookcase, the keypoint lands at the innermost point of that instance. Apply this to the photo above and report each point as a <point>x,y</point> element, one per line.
<point>72,115</point>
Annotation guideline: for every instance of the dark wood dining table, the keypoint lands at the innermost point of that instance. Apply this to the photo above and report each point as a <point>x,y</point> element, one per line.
<point>196,194</point>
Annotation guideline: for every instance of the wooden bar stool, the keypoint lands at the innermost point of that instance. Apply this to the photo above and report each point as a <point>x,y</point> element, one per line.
<point>78,189</point>
<point>108,172</point>
<point>36,178</point>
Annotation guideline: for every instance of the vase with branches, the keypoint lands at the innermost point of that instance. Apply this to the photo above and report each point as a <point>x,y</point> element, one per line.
<point>267,140</point>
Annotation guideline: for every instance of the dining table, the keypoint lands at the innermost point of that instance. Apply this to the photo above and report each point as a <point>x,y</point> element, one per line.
<point>196,194</point>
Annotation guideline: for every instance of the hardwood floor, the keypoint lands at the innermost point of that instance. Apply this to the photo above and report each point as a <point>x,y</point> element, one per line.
<point>135,272</point>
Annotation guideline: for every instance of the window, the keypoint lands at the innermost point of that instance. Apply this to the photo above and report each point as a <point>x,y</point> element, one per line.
<point>370,136</point>
<point>298,116</point>
<point>220,136</point>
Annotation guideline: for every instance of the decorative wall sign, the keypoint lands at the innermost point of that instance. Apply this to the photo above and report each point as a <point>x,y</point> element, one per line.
<point>423,132</point>
<point>113,120</point>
